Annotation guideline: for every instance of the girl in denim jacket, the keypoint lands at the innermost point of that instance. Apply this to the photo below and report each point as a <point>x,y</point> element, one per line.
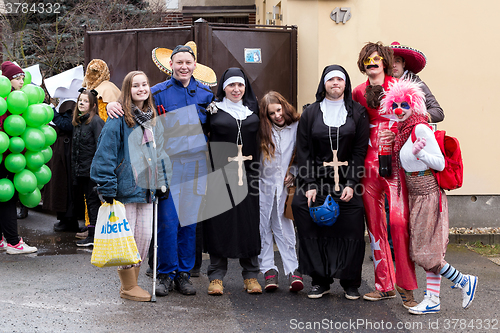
<point>130,165</point>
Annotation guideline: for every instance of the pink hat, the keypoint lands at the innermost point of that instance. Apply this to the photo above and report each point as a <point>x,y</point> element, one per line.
<point>11,70</point>
<point>414,59</point>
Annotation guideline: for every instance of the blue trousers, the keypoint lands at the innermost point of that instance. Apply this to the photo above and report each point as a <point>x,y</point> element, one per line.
<point>176,244</point>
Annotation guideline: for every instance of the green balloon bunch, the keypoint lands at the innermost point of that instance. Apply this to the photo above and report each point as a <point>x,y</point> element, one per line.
<point>25,144</point>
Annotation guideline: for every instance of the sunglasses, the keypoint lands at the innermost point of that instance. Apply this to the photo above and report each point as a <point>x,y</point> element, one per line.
<point>404,105</point>
<point>375,60</point>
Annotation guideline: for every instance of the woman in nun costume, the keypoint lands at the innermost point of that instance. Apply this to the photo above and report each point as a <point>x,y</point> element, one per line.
<point>334,123</point>
<point>233,185</point>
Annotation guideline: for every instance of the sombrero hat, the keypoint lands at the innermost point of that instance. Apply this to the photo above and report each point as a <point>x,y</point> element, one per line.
<point>414,59</point>
<point>202,73</point>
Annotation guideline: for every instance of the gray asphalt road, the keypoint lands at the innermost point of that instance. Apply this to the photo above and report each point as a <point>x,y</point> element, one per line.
<point>58,290</point>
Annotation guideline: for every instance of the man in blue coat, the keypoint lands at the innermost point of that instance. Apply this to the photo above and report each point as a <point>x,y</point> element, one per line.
<point>182,100</point>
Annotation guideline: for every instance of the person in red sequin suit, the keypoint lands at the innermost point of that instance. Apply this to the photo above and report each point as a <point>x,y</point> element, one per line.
<point>375,60</point>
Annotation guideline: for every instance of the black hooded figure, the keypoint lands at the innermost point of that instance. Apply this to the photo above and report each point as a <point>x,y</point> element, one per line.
<point>232,230</point>
<point>337,251</point>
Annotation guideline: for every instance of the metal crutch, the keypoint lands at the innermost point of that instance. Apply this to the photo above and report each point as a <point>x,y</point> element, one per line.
<point>155,245</point>
<point>164,189</point>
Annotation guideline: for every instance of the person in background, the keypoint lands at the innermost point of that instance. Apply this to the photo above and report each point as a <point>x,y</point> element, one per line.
<point>97,77</point>
<point>87,128</point>
<point>408,62</point>
<point>10,240</point>
<point>58,194</point>
<point>278,132</point>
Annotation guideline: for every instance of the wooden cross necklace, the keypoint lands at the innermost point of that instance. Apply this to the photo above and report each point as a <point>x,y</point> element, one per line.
<point>239,158</point>
<point>335,163</point>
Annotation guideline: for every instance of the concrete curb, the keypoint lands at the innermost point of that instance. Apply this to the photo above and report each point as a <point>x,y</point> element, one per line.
<point>468,238</point>
<point>471,238</point>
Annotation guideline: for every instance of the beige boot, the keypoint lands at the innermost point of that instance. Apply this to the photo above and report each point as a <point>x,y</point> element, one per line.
<point>129,289</point>
<point>136,269</point>
<point>407,297</point>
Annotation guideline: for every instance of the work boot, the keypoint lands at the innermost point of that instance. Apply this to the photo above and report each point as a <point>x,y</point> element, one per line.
<point>215,288</point>
<point>129,288</point>
<point>165,285</point>
<point>184,285</point>
<point>407,297</point>
<point>252,286</point>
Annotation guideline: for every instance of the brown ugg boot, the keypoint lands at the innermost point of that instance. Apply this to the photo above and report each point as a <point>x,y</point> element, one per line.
<point>407,297</point>
<point>129,289</point>
<point>136,269</point>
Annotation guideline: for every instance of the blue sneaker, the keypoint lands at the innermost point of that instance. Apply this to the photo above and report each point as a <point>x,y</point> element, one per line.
<point>468,286</point>
<point>430,304</point>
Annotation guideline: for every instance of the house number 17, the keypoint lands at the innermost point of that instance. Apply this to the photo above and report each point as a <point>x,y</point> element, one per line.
<point>342,14</point>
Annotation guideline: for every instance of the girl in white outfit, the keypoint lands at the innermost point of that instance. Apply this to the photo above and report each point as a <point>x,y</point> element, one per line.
<point>278,131</point>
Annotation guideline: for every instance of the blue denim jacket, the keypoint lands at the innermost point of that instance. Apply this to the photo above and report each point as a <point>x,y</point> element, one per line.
<point>126,169</point>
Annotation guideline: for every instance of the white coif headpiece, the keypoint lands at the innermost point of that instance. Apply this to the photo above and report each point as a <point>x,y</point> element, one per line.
<point>334,73</point>
<point>233,79</point>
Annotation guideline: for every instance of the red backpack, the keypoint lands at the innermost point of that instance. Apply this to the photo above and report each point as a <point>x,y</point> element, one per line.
<point>452,175</point>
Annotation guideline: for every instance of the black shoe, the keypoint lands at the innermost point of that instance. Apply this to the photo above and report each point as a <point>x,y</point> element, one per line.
<point>352,293</point>
<point>89,241</point>
<point>318,291</point>
<point>22,211</point>
<point>67,226</point>
<point>149,272</point>
<point>195,272</point>
<point>184,285</point>
<point>165,285</point>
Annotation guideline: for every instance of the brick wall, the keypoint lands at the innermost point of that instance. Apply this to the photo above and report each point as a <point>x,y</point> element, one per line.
<point>174,19</point>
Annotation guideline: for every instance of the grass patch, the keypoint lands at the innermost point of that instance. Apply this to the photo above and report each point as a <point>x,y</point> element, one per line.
<point>487,250</point>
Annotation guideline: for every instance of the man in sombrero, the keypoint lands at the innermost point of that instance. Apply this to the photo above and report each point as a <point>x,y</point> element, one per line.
<point>408,62</point>
<point>182,99</point>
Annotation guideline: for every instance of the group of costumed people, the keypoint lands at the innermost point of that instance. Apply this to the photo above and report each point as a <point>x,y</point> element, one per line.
<point>232,171</point>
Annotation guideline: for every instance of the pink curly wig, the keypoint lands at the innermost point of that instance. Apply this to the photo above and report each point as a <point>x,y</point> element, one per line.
<point>401,91</point>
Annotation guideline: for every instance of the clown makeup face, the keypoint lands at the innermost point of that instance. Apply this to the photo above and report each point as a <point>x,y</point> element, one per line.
<point>183,65</point>
<point>398,68</point>
<point>275,113</point>
<point>235,91</point>
<point>374,64</point>
<point>402,110</point>
<point>334,88</point>
<point>18,82</point>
